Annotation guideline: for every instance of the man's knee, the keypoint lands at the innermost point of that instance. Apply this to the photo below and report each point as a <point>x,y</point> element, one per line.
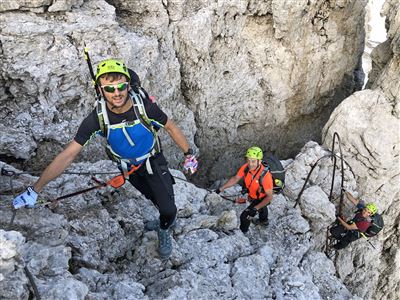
<point>340,245</point>
<point>168,211</point>
<point>263,214</point>
<point>244,222</point>
<point>337,231</point>
<point>167,220</point>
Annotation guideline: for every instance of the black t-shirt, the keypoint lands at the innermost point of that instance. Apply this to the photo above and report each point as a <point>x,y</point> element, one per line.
<point>90,125</point>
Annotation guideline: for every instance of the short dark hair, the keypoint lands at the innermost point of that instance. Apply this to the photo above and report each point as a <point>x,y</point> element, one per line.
<point>113,76</point>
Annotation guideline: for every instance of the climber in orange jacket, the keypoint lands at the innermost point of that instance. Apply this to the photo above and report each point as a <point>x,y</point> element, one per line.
<point>259,194</point>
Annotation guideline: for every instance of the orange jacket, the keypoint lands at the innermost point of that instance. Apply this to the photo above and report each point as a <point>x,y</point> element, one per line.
<point>251,181</point>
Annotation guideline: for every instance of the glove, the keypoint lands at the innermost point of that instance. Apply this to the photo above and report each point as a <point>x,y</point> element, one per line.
<point>241,200</point>
<point>249,212</point>
<point>190,164</point>
<point>27,199</point>
<point>217,191</point>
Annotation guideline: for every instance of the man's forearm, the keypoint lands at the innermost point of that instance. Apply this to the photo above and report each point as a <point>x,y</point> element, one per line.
<point>263,203</point>
<point>351,198</point>
<point>177,135</point>
<point>58,165</point>
<point>347,226</point>
<point>52,171</point>
<point>231,182</point>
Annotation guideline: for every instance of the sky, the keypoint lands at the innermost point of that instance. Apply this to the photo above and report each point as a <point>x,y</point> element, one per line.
<point>375,32</point>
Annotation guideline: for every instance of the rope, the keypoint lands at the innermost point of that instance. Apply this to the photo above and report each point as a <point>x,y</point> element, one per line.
<point>14,213</point>
<point>367,239</point>
<point>334,157</point>
<point>6,172</point>
<point>208,190</point>
<point>336,135</point>
<point>330,155</point>
<point>32,282</point>
<point>308,177</point>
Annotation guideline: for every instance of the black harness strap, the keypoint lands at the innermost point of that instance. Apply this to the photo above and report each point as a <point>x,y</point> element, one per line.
<point>260,179</point>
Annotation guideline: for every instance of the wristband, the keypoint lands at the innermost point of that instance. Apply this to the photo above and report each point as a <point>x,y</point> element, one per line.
<point>189,152</point>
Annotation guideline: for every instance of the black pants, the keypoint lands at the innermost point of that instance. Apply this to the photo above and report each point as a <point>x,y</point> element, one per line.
<point>344,236</point>
<point>157,187</point>
<point>262,215</point>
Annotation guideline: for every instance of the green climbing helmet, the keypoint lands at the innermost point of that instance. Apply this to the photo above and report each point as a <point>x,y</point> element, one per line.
<point>372,208</point>
<point>255,153</point>
<point>111,66</point>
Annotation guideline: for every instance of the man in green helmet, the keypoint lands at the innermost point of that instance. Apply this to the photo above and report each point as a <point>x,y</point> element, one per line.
<point>259,193</point>
<point>348,232</point>
<point>129,120</point>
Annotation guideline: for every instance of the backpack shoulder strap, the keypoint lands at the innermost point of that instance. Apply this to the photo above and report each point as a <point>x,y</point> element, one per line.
<point>246,171</point>
<point>140,111</point>
<point>261,178</point>
<point>102,116</point>
<point>138,105</point>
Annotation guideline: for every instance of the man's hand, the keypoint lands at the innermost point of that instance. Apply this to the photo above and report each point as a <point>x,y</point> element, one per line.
<point>27,199</point>
<point>250,212</point>
<point>341,221</point>
<point>190,164</point>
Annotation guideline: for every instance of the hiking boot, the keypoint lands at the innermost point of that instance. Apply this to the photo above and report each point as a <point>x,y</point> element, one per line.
<point>152,225</point>
<point>259,222</point>
<point>164,243</point>
<point>155,225</point>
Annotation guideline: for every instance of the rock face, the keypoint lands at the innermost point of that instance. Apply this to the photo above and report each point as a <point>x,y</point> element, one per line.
<point>94,246</point>
<point>369,124</point>
<point>231,74</point>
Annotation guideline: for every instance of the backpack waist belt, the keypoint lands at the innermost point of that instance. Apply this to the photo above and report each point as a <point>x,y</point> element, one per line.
<point>126,164</point>
<point>259,199</point>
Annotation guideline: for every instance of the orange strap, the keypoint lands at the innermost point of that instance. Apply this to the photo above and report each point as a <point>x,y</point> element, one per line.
<point>241,200</point>
<point>119,180</point>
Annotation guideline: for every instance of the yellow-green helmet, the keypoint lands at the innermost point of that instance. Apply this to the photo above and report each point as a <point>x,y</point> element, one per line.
<point>111,66</point>
<point>372,208</point>
<point>254,153</point>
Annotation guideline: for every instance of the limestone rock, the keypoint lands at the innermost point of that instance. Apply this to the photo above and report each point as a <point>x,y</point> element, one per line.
<point>94,245</point>
<point>217,69</point>
<point>368,123</point>
<point>369,130</point>
<point>12,277</point>
<point>68,288</point>
<point>231,74</point>
<point>251,274</point>
<point>228,221</point>
<point>317,208</point>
